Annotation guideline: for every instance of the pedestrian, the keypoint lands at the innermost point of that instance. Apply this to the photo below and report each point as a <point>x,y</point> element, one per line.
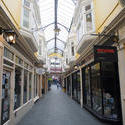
<point>57,85</point>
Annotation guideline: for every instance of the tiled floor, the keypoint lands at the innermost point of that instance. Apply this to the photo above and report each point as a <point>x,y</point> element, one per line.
<point>56,108</point>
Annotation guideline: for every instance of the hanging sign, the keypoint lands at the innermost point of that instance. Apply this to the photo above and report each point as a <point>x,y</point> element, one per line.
<point>105,53</point>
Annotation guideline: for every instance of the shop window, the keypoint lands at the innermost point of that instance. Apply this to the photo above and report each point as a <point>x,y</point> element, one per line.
<point>5,97</point>
<point>8,54</point>
<point>109,90</point>
<point>30,85</point>
<point>87,89</point>
<point>25,87</point>
<point>96,88</point>
<point>69,85</point>
<point>78,86</point>
<point>74,86</point>
<point>34,85</point>
<point>18,83</point>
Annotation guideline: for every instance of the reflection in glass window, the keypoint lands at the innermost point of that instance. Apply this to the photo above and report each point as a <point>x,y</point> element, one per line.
<point>78,86</point>
<point>25,87</point>
<point>26,15</point>
<point>89,18</point>
<point>87,90</point>
<point>109,90</point>
<point>30,85</point>
<point>17,95</point>
<point>5,113</point>
<point>96,88</point>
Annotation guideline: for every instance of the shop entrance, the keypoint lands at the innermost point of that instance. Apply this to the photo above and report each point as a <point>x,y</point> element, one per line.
<point>6,81</point>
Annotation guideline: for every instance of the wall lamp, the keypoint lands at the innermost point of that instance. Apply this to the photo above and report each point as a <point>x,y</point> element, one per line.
<point>9,35</point>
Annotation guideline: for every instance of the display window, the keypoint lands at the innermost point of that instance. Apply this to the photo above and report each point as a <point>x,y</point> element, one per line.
<point>87,89</point>
<point>109,79</point>
<point>74,86</point>
<point>100,83</point>
<point>69,85</point>
<point>5,114</point>
<point>25,87</point>
<point>96,88</point>
<point>17,90</point>
<point>30,85</point>
<point>78,86</point>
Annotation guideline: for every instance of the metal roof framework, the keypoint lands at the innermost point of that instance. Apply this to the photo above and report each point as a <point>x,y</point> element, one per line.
<point>56,14</point>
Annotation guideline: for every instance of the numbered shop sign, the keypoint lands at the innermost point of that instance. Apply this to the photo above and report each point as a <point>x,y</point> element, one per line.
<point>105,53</point>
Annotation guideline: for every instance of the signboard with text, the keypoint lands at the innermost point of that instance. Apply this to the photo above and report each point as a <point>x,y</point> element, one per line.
<point>105,53</point>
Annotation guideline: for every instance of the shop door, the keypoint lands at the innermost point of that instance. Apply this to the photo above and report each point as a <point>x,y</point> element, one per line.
<point>5,97</point>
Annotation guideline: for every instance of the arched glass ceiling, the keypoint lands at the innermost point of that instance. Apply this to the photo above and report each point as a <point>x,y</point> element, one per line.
<point>65,10</point>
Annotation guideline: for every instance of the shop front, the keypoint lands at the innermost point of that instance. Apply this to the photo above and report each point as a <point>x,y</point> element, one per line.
<point>76,91</point>
<point>101,90</point>
<point>69,85</point>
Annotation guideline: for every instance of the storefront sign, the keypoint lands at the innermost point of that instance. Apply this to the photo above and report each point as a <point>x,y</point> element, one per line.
<point>105,53</point>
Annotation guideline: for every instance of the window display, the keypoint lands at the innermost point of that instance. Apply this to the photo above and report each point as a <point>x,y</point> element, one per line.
<point>109,98</point>
<point>5,96</point>
<point>96,88</point>
<point>74,86</point>
<point>78,86</point>
<point>30,85</point>
<point>87,89</point>
<point>17,95</point>
<point>25,87</point>
<point>100,84</point>
<point>68,85</point>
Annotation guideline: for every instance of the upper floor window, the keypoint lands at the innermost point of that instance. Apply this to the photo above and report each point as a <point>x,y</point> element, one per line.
<point>26,15</point>
<point>72,48</point>
<point>40,47</point>
<point>66,60</point>
<point>89,17</point>
<point>27,3</point>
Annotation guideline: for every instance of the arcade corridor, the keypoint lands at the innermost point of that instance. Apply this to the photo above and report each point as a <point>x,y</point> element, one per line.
<point>56,108</point>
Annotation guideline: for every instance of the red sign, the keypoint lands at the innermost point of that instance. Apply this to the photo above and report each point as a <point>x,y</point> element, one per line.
<point>105,51</point>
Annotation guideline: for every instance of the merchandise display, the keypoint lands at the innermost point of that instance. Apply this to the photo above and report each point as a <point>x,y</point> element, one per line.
<point>5,96</point>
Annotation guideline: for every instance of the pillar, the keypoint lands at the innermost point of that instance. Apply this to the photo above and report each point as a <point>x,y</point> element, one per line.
<point>121,63</point>
<point>32,85</point>
<point>27,85</point>
<point>12,87</point>
<point>1,73</point>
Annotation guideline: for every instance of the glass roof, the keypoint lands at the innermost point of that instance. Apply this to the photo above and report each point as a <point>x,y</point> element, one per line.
<point>65,12</point>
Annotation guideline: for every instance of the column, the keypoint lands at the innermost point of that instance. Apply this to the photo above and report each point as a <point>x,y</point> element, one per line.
<point>1,73</point>
<point>22,85</point>
<point>32,85</point>
<point>12,86</point>
<point>27,85</point>
<point>121,63</point>
<point>81,87</point>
